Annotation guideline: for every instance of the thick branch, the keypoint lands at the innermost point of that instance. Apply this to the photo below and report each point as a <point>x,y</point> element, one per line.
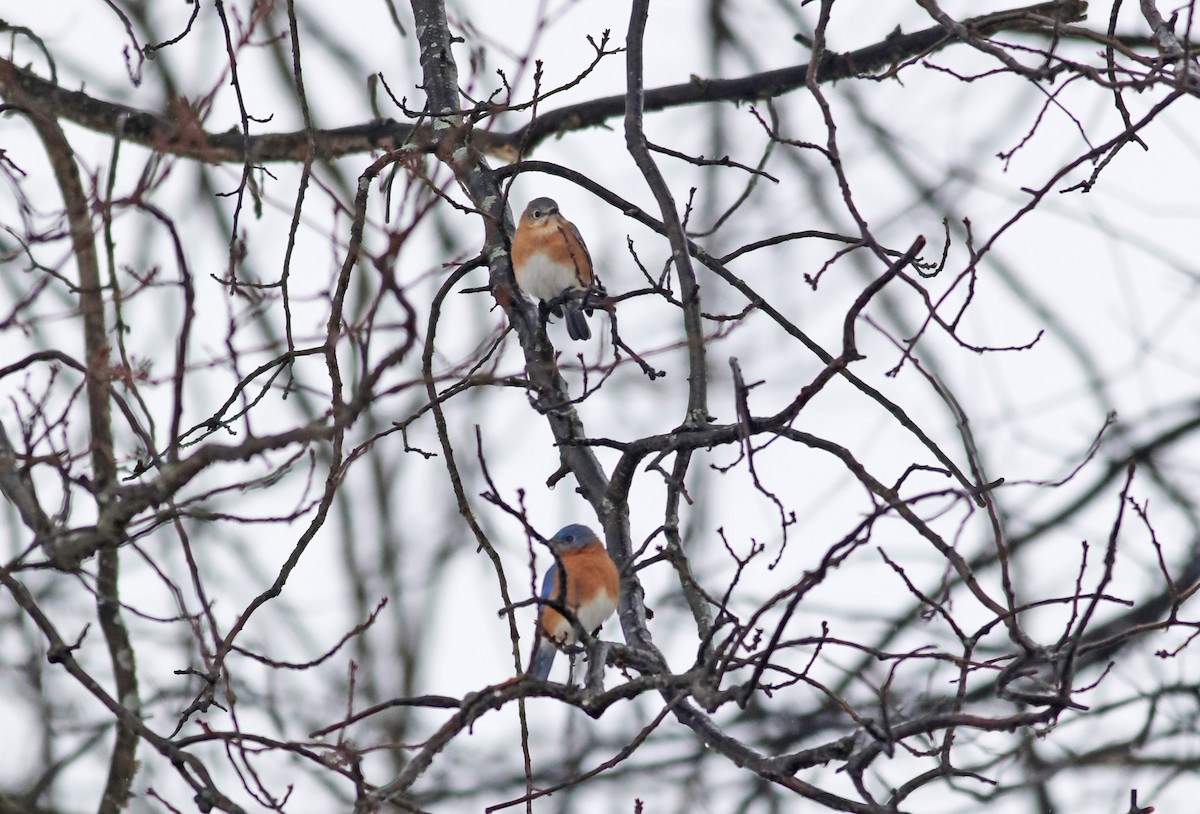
<point>123,765</point>
<point>168,135</point>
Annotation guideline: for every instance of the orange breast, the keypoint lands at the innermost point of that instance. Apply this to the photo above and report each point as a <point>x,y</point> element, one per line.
<point>593,586</point>
<point>555,241</point>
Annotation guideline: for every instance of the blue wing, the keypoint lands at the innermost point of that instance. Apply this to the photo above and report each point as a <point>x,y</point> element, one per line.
<point>543,648</point>
<point>548,581</point>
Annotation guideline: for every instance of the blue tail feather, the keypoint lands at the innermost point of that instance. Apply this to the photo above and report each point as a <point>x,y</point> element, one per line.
<point>543,658</point>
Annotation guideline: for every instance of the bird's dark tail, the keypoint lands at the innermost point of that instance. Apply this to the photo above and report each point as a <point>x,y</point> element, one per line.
<point>577,327</point>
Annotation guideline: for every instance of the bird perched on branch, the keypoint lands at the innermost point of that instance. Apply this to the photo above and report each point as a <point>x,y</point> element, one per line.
<point>592,587</point>
<point>553,266</point>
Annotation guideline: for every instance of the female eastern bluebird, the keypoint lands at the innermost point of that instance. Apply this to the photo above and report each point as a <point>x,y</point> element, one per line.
<point>552,264</point>
<point>593,586</point>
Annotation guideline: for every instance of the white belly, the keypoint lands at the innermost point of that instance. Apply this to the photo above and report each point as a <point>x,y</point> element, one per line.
<point>590,615</point>
<point>543,279</point>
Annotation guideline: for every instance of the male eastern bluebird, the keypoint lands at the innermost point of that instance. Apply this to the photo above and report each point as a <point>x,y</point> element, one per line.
<point>592,588</point>
<point>553,266</point>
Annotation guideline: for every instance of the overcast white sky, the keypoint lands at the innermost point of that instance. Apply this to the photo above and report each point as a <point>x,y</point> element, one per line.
<point>1116,271</point>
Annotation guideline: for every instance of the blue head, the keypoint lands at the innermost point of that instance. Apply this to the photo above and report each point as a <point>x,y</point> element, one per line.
<point>573,536</point>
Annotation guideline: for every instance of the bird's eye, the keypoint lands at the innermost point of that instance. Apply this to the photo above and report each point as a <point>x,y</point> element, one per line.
<point>570,538</point>
<point>537,213</point>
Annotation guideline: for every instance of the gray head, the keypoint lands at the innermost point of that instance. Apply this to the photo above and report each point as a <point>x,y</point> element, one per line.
<point>574,535</point>
<point>539,209</point>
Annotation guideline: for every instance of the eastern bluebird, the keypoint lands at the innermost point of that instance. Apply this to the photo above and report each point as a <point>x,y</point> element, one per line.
<point>552,264</point>
<point>593,586</point>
